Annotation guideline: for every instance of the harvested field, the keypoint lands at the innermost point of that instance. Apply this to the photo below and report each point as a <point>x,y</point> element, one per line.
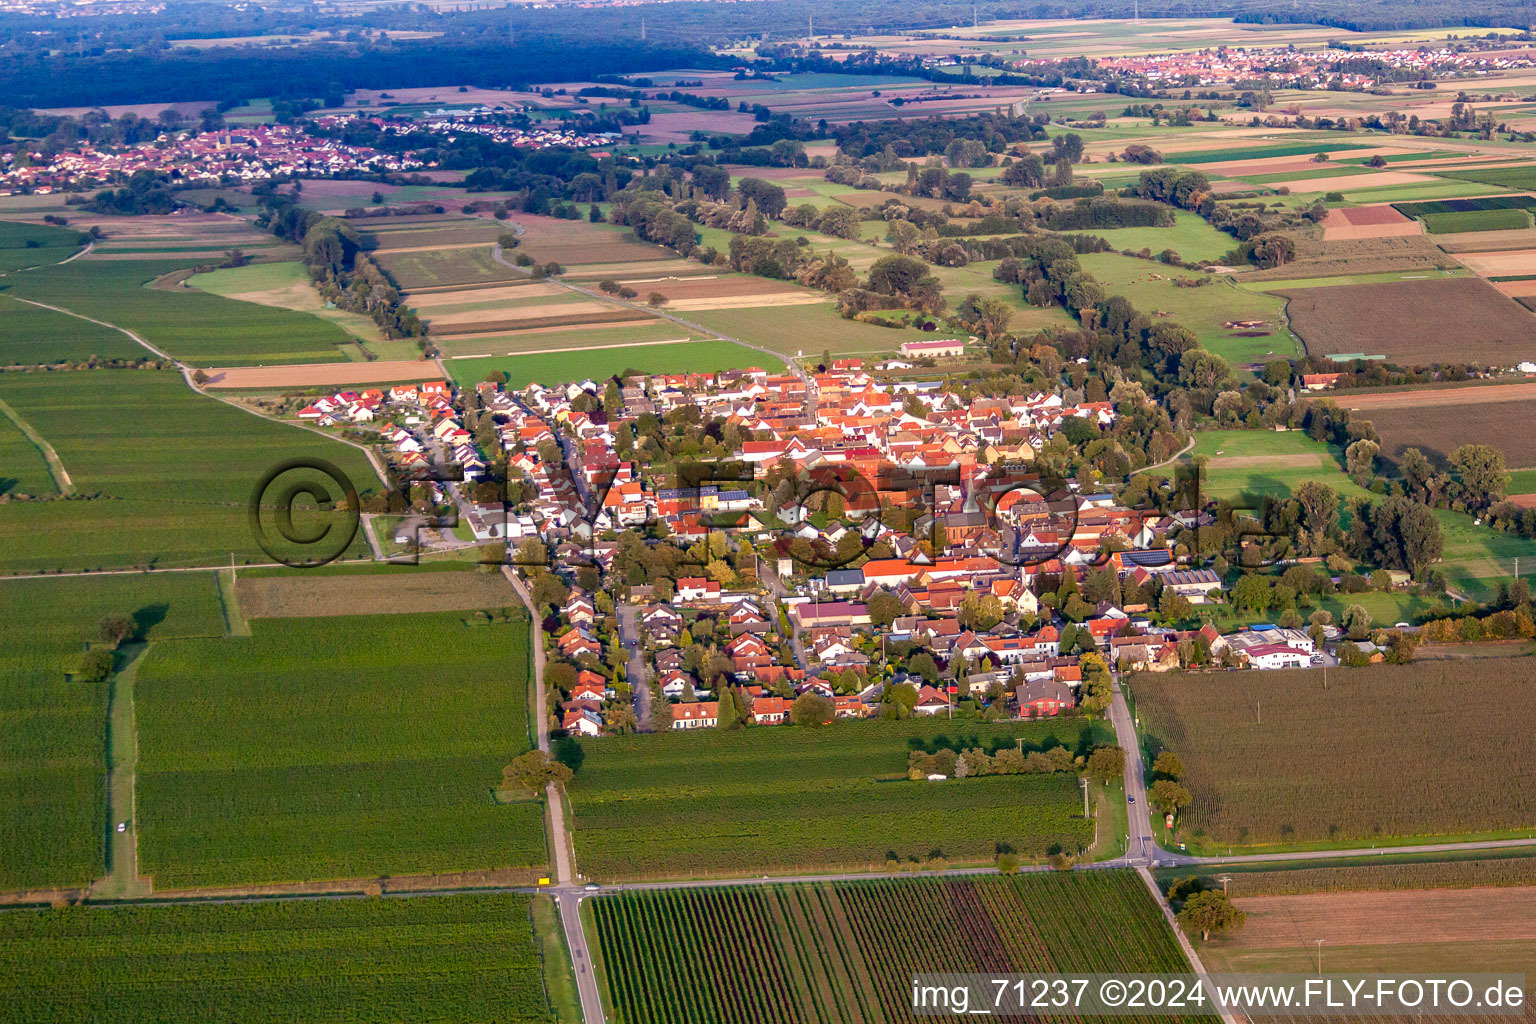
<point>1340,183</point>
<point>1437,430</point>
<point>1350,256</point>
<point>1367,222</point>
<point>1460,396</point>
<point>516,314</point>
<point>438,247</point>
<point>1497,264</point>
<point>1376,734</point>
<point>573,241</point>
<point>1516,289</point>
<point>306,595</point>
<point>539,318</point>
<point>1487,241</point>
<point>1378,918</point>
<point>412,270</point>
<point>717,287</point>
<point>1405,320</point>
<point>657,270</point>
<point>450,297</point>
<point>320,375</point>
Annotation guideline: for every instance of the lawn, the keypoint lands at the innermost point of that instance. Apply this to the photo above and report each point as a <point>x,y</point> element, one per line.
<point>785,799</point>
<point>165,475</point>
<point>1260,462</point>
<point>563,367</point>
<point>470,959</point>
<point>325,748</point>
<point>33,245</point>
<point>1151,289</point>
<point>847,951</point>
<point>53,730</point>
<point>1402,761</point>
<point>201,329</point>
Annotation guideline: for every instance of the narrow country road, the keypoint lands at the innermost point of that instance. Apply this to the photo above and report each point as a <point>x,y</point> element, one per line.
<point>566,895</point>
<point>1142,848</point>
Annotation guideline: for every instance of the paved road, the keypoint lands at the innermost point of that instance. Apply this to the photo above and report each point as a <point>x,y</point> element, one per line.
<point>1142,848</point>
<point>635,672</point>
<point>566,895</point>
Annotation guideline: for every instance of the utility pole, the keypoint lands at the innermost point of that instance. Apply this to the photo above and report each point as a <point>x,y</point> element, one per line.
<point>1136,7</point>
<point>1084,783</point>
<point>1259,707</point>
<point>1319,955</point>
<point>810,26</point>
<point>1224,879</point>
<point>642,30</point>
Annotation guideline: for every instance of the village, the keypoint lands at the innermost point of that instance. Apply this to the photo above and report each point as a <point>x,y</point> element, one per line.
<point>257,153</point>
<point>876,545</point>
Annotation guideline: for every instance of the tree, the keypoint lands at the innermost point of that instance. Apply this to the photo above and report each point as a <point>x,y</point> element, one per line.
<point>115,629</point>
<point>1356,622</point>
<point>728,716</point>
<point>1168,796</point>
<point>533,771</point>
<point>1209,913</point>
<point>1360,461</point>
<point>1480,469</point>
<point>1107,763</point>
<point>883,608</point>
<point>94,665</point>
<point>811,709</point>
<point>922,664</point>
<point>1168,765</point>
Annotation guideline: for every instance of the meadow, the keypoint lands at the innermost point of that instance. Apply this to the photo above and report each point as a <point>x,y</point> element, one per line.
<point>1260,462</point>
<point>53,728</point>
<point>1254,745</point>
<point>334,748</point>
<point>598,363</point>
<point>845,952</point>
<point>163,475</point>
<point>32,336</point>
<point>1191,236</point>
<point>1205,309</point>
<point>198,328</point>
<point>470,959</point>
<point>776,800</point>
<point>437,267</point>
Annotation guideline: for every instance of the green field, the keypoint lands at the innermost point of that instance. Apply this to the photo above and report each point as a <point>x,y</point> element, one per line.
<point>164,474</point>
<point>1150,288</point>
<point>29,335</point>
<point>1522,178</point>
<point>198,328</point>
<point>468,959</point>
<point>653,331</point>
<point>53,730</point>
<point>777,800</point>
<point>35,245</point>
<point>327,748</point>
<point>1191,236</point>
<point>580,364</point>
<point>832,953</point>
<point>1476,220</point>
<point>23,467</point>
<point>1214,156</point>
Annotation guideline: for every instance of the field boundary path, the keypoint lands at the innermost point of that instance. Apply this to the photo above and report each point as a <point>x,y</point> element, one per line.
<point>122,848</point>
<point>56,468</point>
<point>566,895</point>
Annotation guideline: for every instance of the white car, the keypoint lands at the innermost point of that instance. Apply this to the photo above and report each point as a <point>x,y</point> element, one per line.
<point>122,826</point>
